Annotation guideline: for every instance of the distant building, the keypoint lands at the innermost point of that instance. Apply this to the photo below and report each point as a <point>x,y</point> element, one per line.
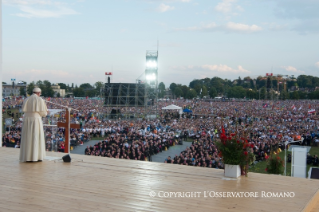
<point>57,90</point>
<point>10,90</point>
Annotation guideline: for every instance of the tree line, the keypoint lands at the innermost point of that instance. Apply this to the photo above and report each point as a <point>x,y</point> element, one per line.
<point>260,88</point>
<point>270,87</point>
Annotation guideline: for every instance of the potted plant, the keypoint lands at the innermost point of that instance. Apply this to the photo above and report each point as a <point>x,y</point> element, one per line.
<point>236,153</point>
<point>275,165</point>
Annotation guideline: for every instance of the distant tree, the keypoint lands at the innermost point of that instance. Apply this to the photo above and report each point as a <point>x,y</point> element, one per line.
<point>185,90</point>
<point>98,85</point>
<point>86,86</point>
<point>204,91</point>
<point>191,94</point>
<point>239,81</point>
<point>4,83</point>
<point>78,92</point>
<point>161,88</point>
<point>62,86</point>
<point>263,93</point>
<point>237,92</point>
<point>178,92</point>
<point>58,95</point>
<point>294,95</point>
<point>30,88</point>
<point>90,93</point>
<point>22,91</point>
<point>212,92</point>
<point>172,87</point>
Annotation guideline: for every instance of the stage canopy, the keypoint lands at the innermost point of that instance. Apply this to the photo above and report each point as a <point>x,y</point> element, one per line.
<point>173,107</point>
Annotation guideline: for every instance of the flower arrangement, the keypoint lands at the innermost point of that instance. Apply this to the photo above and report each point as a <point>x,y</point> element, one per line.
<point>275,165</point>
<point>236,151</point>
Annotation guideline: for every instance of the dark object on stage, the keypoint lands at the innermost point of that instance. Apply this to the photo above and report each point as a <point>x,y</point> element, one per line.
<point>124,94</point>
<point>66,158</point>
<point>314,173</point>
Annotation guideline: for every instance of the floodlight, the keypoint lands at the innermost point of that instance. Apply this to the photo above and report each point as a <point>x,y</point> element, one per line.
<point>151,64</point>
<point>151,77</point>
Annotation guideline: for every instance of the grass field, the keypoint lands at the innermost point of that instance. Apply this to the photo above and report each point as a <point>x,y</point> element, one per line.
<point>261,166</point>
<point>7,114</point>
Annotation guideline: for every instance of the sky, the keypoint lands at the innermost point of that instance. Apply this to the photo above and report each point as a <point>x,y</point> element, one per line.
<point>77,41</point>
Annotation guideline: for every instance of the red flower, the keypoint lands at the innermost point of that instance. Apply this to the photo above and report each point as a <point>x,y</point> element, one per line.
<point>278,158</point>
<point>246,141</point>
<point>238,142</point>
<point>266,169</point>
<point>252,145</point>
<point>224,142</point>
<point>229,138</point>
<point>266,157</point>
<point>246,153</point>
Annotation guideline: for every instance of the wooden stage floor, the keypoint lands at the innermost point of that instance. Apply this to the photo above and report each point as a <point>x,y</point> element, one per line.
<point>101,184</point>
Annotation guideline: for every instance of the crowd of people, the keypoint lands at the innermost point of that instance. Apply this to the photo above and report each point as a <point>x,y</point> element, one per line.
<point>265,124</point>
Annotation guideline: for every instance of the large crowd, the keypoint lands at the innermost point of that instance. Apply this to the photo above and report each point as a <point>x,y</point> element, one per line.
<point>265,124</point>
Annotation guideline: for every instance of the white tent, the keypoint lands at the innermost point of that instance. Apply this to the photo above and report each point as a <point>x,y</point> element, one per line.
<point>173,107</point>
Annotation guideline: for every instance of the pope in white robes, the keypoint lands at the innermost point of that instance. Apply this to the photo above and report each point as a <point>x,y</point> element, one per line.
<point>32,146</point>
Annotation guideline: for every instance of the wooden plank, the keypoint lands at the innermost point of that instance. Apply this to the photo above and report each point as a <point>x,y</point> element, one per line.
<point>104,184</point>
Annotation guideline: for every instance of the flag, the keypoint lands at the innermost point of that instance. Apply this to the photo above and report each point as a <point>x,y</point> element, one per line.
<point>300,108</point>
<point>311,111</point>
<point>293,107</point>
<point>265,105</point>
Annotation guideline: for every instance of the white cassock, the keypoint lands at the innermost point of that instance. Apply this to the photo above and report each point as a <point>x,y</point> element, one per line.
<point>32,146</point>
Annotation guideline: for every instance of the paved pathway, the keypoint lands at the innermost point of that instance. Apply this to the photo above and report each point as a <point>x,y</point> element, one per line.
<point>80,149</point>
<point>172,151</point>
<point>160,157</point>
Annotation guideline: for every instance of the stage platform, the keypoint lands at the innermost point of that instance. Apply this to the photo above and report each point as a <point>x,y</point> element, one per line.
<point>92,183</point>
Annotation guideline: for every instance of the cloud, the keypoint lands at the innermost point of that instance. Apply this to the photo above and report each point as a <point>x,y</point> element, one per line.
<point>54,76</point>
<point>292,69</point>
<point>317,64</point>
<point>304,13</point>
<point>228,7</point>
<point>30,12</point>
<point>229,27</point>
<point>215,69</point>
<point>40,8</point>
<point>164,8</point>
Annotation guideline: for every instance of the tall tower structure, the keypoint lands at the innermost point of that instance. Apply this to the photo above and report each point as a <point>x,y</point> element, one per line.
<point>151,78</point>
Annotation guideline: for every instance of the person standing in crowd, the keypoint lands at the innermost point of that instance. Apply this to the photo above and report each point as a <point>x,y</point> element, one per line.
<point>32,147</point>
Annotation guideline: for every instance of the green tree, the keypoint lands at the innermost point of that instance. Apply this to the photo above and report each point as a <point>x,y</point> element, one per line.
<point>98,86</point>
<point>90,93</point>
<point>237,92</point>
<point>294,95</point>
<point>191,94</point>
<point>78,92</point>
<point>212,92</point>
<point>58,95</point>
<point>263,93</point>
<point>86,86</point>
<point>30,88</point>
<point>185,89</point>
<point>284,95</point>
<point>22,92</point>
<point>172,87</point>
<point>62,86</point>
<point>161,88</point>
<point>204,91</point>
<point>178,92</point>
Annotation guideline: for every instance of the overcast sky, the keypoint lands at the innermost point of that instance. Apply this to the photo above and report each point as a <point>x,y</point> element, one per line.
<point>79,40</point>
